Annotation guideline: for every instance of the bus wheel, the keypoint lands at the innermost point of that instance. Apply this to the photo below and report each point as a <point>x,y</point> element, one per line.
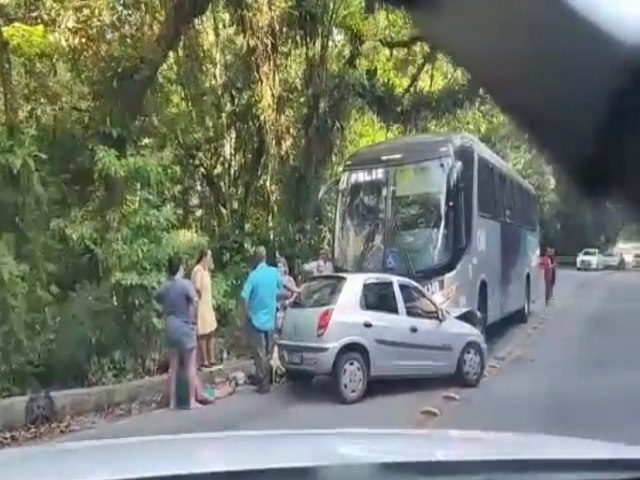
<point>483,309</point>
<point>525,311</point>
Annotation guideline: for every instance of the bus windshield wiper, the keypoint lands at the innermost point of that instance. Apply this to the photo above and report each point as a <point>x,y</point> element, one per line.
<point>405,254</point>
<point>368,243</point>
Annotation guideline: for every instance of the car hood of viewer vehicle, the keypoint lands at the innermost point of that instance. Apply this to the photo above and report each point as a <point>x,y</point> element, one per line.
<point>145,457</point>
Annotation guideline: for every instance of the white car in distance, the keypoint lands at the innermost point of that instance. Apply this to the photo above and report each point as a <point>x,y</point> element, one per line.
<point>590,259</point>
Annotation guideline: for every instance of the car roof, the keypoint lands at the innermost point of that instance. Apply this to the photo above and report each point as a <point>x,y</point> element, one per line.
<point>364,276</point>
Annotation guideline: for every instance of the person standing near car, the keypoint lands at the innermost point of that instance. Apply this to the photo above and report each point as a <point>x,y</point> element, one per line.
<point>287,295</point>
<point>321,265</point>
<point>260,299</point>
<point>205,315</point>
<point>177,297</point>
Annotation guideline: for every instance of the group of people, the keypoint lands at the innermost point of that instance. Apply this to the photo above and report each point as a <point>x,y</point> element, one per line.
<point>548,263</point>
<point>191,321</point>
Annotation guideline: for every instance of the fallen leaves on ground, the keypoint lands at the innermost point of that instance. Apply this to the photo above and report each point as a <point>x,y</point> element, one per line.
<point>451,396</point>
<point>430,412</point>
<point>30,434</point>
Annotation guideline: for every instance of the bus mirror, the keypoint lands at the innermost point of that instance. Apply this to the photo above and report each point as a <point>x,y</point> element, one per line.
<point>454,173</point>
<point>325,189</point>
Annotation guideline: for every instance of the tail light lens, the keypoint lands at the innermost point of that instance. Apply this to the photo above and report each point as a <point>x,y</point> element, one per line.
<point>323,321</point>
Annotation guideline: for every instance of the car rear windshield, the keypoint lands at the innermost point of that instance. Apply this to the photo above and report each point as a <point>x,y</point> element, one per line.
<point>319,292</point>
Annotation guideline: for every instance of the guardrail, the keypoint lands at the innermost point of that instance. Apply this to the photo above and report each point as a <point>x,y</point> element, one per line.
<point>566,260</point>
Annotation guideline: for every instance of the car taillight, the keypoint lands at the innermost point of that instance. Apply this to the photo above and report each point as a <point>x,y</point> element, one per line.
<point>323,321</point>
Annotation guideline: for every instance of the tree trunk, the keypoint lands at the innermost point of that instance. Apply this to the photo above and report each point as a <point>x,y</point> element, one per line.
<point>125,96</point>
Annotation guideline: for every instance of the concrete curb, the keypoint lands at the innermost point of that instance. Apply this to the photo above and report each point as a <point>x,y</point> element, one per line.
<point>80,401</point>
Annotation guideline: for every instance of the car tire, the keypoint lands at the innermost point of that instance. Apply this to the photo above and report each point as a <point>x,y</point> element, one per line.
<point>351,376</point>
<point>471,365</point>
<point>299,378</point>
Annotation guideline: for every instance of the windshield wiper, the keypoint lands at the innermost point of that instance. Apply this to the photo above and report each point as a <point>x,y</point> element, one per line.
<point>368,243</point>
<point>405,254</point>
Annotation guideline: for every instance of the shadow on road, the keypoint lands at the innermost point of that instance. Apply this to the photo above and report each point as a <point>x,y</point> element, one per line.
<point>497,331</point>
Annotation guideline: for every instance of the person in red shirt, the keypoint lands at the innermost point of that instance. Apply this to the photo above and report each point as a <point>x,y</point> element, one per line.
<point>547,267</point>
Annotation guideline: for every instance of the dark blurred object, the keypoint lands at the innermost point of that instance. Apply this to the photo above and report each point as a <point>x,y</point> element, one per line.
<point>469,316</point>
<point>567,71</point>
<point>40,408</point>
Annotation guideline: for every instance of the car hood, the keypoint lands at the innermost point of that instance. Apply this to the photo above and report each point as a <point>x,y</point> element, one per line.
<point>145,457</point>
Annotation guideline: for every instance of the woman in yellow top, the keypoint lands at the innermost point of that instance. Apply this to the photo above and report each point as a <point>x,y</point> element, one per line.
<point>206,317</point>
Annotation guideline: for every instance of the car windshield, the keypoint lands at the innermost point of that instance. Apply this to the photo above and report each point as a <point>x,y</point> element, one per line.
<point>589,252</point>
<point>393,219</point>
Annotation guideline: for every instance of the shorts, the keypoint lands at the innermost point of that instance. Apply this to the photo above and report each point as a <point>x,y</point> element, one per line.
<point>180,334</point>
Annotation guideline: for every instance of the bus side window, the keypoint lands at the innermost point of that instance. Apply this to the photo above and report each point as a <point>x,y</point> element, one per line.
<point>510,199</point>
<point>503,197</point>
<point>486,189</point>
<point>518,217</point>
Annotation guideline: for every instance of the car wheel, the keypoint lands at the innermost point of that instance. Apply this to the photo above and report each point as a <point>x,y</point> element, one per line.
<point>299,378</point>
<point>351,375</point>
<point>470,365</point>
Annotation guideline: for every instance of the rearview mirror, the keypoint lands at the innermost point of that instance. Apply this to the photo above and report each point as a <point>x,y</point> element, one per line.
<point>454,174</point>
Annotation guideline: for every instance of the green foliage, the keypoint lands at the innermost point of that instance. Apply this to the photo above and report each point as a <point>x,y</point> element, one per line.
<point>28,41</point>
<point>152,128</point>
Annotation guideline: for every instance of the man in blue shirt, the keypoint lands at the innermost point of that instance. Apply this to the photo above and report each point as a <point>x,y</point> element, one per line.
<point>260,298</point>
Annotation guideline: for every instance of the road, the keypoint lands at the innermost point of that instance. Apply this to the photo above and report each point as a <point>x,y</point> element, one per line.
<point>572,370</point>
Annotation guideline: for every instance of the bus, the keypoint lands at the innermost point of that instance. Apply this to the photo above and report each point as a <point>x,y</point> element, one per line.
<point>446,211</point>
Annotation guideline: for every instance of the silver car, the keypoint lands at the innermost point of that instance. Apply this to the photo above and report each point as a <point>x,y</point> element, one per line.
<point>361,326</point>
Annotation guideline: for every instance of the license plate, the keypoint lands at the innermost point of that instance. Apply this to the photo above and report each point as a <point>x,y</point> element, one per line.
<point>294,358</point>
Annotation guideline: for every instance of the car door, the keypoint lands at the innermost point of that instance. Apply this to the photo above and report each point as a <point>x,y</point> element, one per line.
<point>431,345</point>
<point>383,328</point>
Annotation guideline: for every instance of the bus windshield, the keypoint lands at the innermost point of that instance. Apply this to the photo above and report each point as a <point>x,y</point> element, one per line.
<point>419,239</point>
<point>393,219</point>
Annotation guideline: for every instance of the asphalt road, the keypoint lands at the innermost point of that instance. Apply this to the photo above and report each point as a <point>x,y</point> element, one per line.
<point>578,376</point>
<point>572,370</point>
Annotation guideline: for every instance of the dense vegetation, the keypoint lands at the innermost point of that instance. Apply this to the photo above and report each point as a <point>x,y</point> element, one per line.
<point>135,128</point>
